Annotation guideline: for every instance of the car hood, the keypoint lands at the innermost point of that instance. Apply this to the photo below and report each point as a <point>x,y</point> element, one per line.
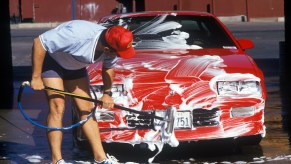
<point>182,65</point>
<point>176,77</point>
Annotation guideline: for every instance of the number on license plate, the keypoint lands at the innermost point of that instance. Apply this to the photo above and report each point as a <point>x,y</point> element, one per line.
<point>183,120</point>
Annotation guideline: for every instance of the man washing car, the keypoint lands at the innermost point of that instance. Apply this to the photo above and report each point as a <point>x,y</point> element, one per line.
<point>59,60</point>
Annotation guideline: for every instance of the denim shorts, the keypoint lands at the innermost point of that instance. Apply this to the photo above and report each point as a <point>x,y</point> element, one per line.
<point>51,69</point>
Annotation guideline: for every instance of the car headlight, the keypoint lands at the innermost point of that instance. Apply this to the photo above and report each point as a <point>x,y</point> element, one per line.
<point>243,88</point>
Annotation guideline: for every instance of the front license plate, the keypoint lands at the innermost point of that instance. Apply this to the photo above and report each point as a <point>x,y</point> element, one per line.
<point>183,120</point>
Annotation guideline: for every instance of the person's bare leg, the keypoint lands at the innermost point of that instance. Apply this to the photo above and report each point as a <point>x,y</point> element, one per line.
<point>55,116</point>
<point>90,128</point>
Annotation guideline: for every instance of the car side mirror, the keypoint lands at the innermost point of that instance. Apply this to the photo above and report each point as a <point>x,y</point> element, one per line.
<point>245,43</point>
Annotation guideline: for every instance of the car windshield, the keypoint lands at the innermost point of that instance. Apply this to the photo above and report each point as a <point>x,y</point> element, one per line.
<point>174,32</point>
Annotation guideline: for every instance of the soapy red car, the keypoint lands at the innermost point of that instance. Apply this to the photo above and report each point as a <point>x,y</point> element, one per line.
<point>189,62</point>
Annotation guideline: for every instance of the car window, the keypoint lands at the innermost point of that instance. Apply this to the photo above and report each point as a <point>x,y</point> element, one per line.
<point>175,31</point>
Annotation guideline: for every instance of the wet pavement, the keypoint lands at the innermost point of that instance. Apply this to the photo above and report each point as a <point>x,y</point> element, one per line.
<point>21,142</point>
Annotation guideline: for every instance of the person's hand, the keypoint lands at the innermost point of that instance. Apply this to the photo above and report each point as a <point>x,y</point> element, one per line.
<point>107,101</point>
<point>37,84</point>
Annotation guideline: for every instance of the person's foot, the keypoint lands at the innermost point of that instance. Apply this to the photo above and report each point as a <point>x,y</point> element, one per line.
<point>61,161</point>
<point>109,160</point>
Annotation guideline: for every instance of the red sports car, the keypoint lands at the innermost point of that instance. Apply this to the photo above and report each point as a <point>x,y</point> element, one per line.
<point>190,80</point>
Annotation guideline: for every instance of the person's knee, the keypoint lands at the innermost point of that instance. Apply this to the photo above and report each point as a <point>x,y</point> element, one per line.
<point>85,110</point>
<point>57,107</point>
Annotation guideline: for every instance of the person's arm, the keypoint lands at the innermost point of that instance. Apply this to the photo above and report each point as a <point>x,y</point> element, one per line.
<point>107,77</point>
<point>37,58</point>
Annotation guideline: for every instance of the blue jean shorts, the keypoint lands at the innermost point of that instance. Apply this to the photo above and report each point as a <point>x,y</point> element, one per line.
<point>51,69</point>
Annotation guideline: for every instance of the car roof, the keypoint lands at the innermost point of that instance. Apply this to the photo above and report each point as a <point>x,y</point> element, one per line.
<point>152,13</point>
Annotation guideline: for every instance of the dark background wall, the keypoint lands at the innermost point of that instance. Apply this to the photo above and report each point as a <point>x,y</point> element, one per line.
<point>6,82</point>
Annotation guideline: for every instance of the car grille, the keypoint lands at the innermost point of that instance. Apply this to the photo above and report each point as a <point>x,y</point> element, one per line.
<point>140,121</point>
<point>201,117</point>
<point>206,117</point>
